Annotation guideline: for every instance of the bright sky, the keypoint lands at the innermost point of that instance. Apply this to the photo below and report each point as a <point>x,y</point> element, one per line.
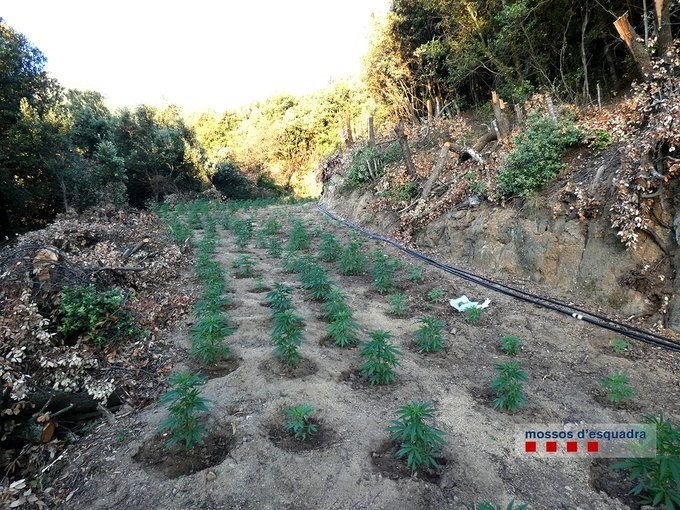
<point>196,53</point>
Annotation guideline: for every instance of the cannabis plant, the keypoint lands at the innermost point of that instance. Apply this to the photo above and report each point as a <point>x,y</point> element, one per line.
<point>397,304</point>
<point>260,239</point>
<point>383,271</point>
<point>184,402</point>
<point>429,335</point>
<point>508,386</point>
<point>473,315</point>
<point>435,295</point>
<point>243,265</point>
<point>287,336</point>
<point>617,387</point>
<point>380,358</point>
<point>180,232</point>
<point>335,304</point>
<point>351,260</point>
<point>208,336</point>
<point>415,274</point>
<point>618,345</point>
<point>274,248</point>
<point>343,330</point>
<point>314,279</point>
<point>299,422</point>
<point>298,240</point>
<point>657,479</point>
<point>510,345</point>
<point>329,249</point>
<point>278,299</point>
<point>259,284</point>
<point>420,443</point>
<point>243,229</point>
<point>271,226</point>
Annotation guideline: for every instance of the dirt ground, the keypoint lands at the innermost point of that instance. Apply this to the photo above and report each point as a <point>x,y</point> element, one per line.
<point>348,466</point>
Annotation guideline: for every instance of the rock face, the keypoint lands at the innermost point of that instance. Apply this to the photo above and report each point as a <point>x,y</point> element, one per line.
<point>583,259</point>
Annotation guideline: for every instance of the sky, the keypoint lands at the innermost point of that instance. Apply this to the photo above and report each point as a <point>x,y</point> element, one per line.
<point>198,54</point>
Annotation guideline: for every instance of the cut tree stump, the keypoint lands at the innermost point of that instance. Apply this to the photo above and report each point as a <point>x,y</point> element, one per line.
<point>637,49</point>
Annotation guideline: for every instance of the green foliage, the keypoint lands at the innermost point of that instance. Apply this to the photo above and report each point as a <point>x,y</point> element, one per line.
<point>429,335</point>
<point>287,336</point>
<point>351,261</point>
<point>230,182</point>
<point>184,402</point>
<point>342,329</point>
<point>397,304</point>
<point>535,158</point>
<point>617,387</point>
<point>415,274</point>
<point>274,248</point>
<point>278,298</point>
<point>618,345</point>
<point>508,386</point>
<point>473,315</point>
<point>260,239</point>
<point>368,163</point>
<point>329,249</point>
<point>243,265</point>
<point>271,226</point>
<point>260,286</point>
<point>298,240</point>
<point>335,305</point>
<point>435,295</point>
<point>383,271</point>
<point>180,232</point>
<point>208,336</point>
<point>380,358</point>
<point>600,139</point>
<point>243,229</point>
<point>314,279</point>
<point>299,422</point>
<point>96,316</point>
<point>657,478</point>
<point>510,345</point>
<point>405,191</point>
<point>420,442</point>
<point>108,174</point>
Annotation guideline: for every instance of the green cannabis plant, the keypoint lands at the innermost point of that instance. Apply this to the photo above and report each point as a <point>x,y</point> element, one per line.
<point>208,336</point>
<point>383,271</point>
<point>184,402</point>
<point>435,295</point>
<point>473,315</point>
<point>380,358</point>
<point>429,334</point>
<point>329,249</point>
<point>415,274</point>
<point>508,386</point>
<point>617,387</point>
<point>618,345</point>
<point>299,422</point>
<point>421,443</point>
<point>397,305</point>
<point>278,298</point>
<point>510,345</point>
<point>243,265</point>
<point>287,336</point>
<point>343,330</point>
<point>351,260</point>
<point>298,240</point>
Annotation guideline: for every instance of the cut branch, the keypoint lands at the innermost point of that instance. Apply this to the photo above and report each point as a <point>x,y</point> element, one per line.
<point>436,171</point>
<point>405,150</point>
<point>637,50</point>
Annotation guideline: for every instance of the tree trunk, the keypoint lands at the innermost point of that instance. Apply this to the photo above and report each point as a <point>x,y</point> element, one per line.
<point>405,150</point>
<point>436,171</point>
<point>348,130</point>
<point>430,111</point>
<point>584,58</point>
<point>502,121</point>
<point>637,50</point>
<point>662,10</point>
<point>371,132</point>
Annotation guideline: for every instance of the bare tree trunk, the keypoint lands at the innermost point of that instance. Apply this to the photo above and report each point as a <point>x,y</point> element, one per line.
<point>662,9</point>
<point>611,65</point>
<point>436,171</point>
<point>348,133</point>
<point>405,150</point>
<point>645,21</point>
<point>519,114</point>
<point>371,132</point>
<point>502,121</point>
<point>584,58</point>
<point>637,50</point>
<point>430,111</point>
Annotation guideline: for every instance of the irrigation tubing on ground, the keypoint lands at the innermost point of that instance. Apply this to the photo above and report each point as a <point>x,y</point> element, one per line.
<point>545,302</point>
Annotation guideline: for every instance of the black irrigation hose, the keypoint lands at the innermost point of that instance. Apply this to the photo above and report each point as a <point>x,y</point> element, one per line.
<point>552,304</point>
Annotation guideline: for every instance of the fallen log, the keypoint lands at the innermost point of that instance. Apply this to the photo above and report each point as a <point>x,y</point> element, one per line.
<point>436,171</point>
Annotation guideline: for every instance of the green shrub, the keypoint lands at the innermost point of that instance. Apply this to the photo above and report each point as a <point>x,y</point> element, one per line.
<point>368,163</point>
<point>508,386</point>
<point>298,240</point>
<point>329,249</point>
<point>600,139</point>
<point>96,316</point>
<point>230,182</point>
<point>429,335</point>
<point>383,271</point>
<point>343,330</point>
<point>287,336</point>
<point>380,358</point>
<point>510,345</point>
<point>535,159</point>
<point>351,261</point>
<point>299,422</point>
<point>420,443</point>
<point>243,265</point>
<point>435,295</point>
<point>473,315</point>
<point>618,345</point>
<point>208,336</point>
<point>657,479</point>
<point>617,387</point>
<point>184,402</point>
<point>397,305</point>
<point>274,248</point>
<point>415,274</point>
<point>278,299</point>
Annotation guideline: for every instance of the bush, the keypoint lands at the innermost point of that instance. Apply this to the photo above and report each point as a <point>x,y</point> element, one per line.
<point>397,304</point>
<point>617,387</point>
<point>230,182</point>
<point>342,329</point>
<point>508,386</point>
<point>429,335</point>
<point>184,401</point>
<point>657,478</point>
<point>351,261</point>
<point>368,163</point>
<point>381,358</point>
<point>96,316</point>
<point>510,345</point>
<point>299,423</point>
<point>535,159</point>
<point>420,443</point>
<point>287,336</point>
<point>329,249</point>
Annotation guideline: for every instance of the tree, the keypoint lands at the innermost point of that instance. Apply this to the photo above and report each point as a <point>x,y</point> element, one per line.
<point>109,173</point>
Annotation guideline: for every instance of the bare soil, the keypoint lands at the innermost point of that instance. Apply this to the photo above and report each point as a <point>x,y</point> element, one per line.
<point>353,466</point>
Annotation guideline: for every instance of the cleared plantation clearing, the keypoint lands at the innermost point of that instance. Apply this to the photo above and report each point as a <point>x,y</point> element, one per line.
<point>350,464</point>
